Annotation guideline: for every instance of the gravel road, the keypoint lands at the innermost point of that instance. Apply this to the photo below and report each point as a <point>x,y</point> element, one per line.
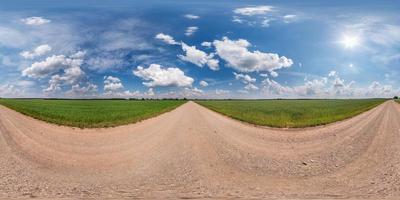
<point>192,152</point>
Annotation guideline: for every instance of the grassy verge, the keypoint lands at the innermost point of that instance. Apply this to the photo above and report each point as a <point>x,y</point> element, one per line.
<point>291,113</point>
<point>91,113</point>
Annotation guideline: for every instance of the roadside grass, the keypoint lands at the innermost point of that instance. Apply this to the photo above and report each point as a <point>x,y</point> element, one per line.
<point>91,113</point>
<point>291,113</point>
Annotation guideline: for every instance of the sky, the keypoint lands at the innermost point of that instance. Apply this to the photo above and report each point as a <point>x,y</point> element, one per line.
<point>199,49</point>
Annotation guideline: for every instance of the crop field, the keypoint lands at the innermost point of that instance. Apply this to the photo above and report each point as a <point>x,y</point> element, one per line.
<point>291,113</point>
<point>91,113</point>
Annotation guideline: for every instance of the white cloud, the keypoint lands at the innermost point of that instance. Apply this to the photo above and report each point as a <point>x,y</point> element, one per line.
<point>264,75</point>
<point>159,76</point>
<point>203,83</point>
<point>166,38</point>
<point>261,16</point>
<point>191,30</point>
<point>236,54</point>
<point>78,55</point>
<point>250,86</point>
<point>254,10</point>
<point>376,89</point>
<point>206,44</point>
<point>104,63</point>
<point>113,87</point>
<point>191,16</point>
<point>237,19</point>
<point>274,74</point>
<point>325,88</point>
<point>198,57</point>
<point>190,92</point>
<point>112,84</point>
<point>53,65</point>
<point>245,78</point>
<point>70,65</point>
<point>150,92</point>
<point>265,22</point>
<point>38,51</point>
<point>71,76</point>
<point>312,88</point>
<point>221,92</point>
<point>80,91</point>
<point>276,88</point>
<point>35,21</point>
<point>332,74</point>
<point>289,18</point>
<point>9,90</point>
<point>50,65</point>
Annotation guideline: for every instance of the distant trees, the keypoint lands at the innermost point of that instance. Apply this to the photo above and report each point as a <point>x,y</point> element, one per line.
<point>395,97</point>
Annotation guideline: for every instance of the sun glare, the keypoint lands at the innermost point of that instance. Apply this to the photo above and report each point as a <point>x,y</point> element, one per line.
<point>350,41</point>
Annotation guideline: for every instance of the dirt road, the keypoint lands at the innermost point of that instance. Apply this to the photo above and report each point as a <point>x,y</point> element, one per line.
<point>193,152</point>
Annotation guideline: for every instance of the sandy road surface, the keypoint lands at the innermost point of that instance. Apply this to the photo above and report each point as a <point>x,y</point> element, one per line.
<point>193,152</point>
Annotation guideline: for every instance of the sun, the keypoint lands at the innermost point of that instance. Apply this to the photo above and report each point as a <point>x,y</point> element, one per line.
<point>350,41</point>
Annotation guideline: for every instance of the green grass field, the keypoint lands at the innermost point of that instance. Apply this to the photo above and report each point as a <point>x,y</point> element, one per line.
<point>91,113</point>
<point>291,113</point>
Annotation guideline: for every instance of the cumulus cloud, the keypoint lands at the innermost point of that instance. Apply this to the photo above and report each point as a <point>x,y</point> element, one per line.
<point>113,87</point>
<point>276,88</point>
<point>81,91</point>
<point>71,76</point>
<point>312,88</point>
<point>206,44</point>
<point>250,86</point>
<point>191,30</point>
<point>332,74</point>
<point>320,87</point>
<point>9,90</point>
<point>69,67</point>
<point>203,84</point>
<point>38,51</point>
<point>112,84</point>
<point>245,78</point>
<point>274,74</point>
<point>237,56</point>
<point>190,92</point>
<point>376,89</point>
<point>35,21</point>
<point>156,75</point>
<point>191,16</point>
<point>150,92</point>
<point>253,10</point>
<point>198,57</point>
<point>53,64</point>
<point>166,38</point>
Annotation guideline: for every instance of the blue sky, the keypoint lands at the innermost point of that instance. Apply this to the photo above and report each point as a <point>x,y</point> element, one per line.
<point>199,49</point>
